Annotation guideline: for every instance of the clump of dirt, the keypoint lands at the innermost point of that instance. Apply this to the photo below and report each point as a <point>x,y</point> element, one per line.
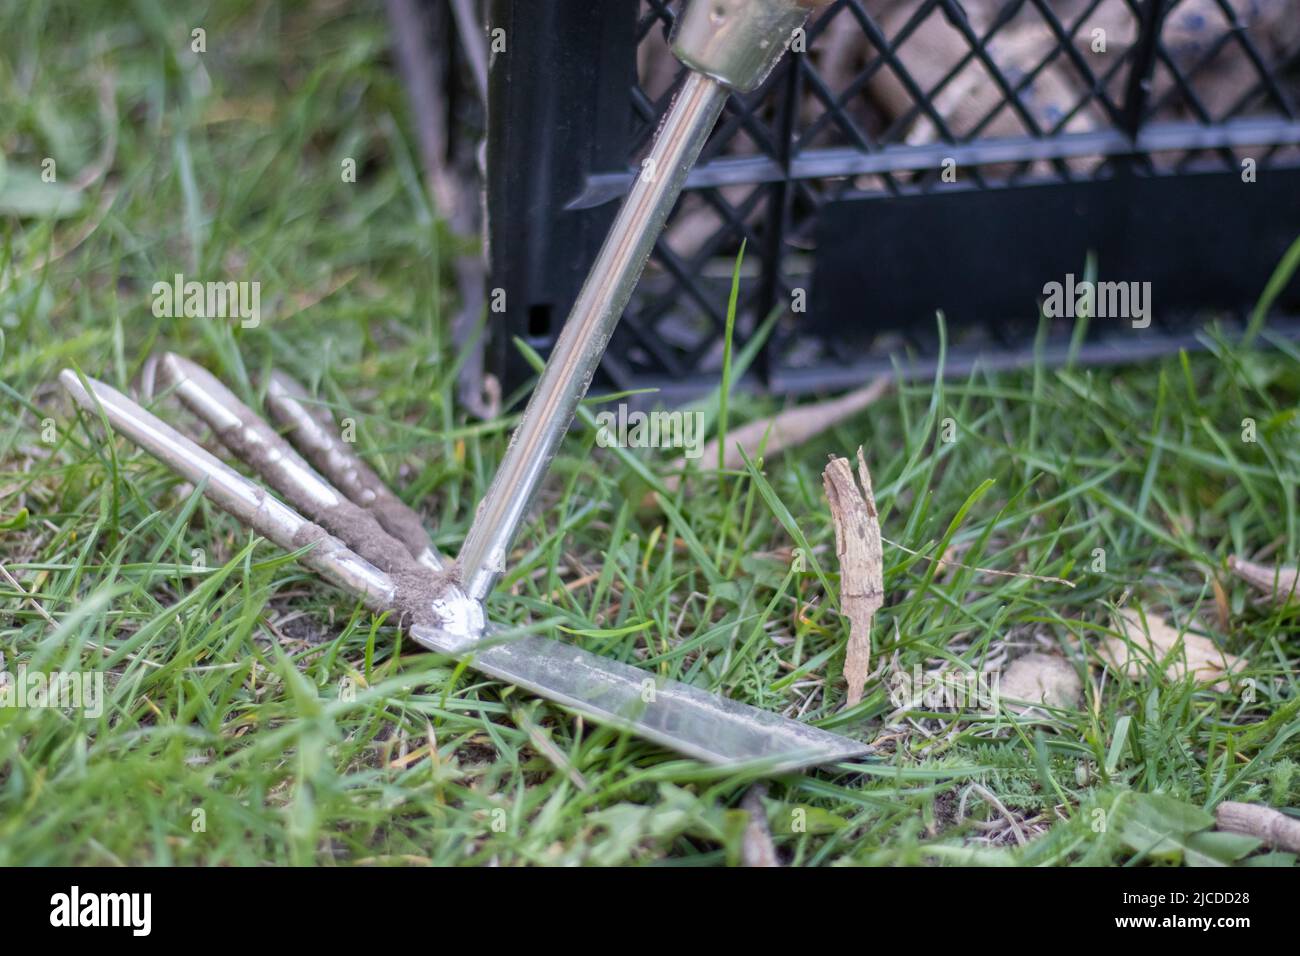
<point>309,533</point>
<point>416,587</point>
<point>399,520</point>
<point>417,590</point>
<point>354,525</point>
<point>362,533</point>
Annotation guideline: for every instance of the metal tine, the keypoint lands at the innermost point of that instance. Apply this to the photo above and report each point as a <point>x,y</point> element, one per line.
<point>235,494</point>
<point>313,432</point>
<point>257,444</point>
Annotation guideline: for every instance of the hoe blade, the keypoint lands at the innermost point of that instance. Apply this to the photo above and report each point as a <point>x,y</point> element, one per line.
<point>687,719</point>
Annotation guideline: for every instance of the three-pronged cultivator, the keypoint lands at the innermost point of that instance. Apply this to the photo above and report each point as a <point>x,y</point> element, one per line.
<point>354,532</point>
<point>358,535</point>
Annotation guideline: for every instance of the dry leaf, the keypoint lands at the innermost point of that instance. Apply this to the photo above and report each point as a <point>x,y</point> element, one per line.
<point>1040,679</point>
<point>1196,655</point>
<point>1282,584</point>
<point>857,544</point>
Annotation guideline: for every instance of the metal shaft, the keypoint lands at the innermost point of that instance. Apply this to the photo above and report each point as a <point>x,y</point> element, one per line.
<point>582,342</point>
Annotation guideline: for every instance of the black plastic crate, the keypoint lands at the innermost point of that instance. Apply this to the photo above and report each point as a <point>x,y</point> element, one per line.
<point>915,156</point>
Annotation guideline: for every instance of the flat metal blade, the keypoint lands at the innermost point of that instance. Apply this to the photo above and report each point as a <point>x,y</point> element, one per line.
<point>686,719</point>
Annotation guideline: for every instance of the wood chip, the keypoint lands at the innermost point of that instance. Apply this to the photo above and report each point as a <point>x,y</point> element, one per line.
<point>1274,828</point>
<point>1281,584</point>
<point>1197,655</point>
<point>857,543</point>
<point>1040,679</point>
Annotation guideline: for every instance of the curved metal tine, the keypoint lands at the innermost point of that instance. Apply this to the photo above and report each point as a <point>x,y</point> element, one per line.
<point>313,432</point>
<point>233,493</point>
<point>257,444</point>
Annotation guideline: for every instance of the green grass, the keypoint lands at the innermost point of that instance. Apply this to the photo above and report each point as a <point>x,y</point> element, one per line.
<point>226,684</point>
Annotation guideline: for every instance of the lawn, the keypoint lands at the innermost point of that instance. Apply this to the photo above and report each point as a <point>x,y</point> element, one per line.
<point>255,714</point>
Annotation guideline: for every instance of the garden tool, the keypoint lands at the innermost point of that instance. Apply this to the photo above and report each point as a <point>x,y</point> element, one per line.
<point>358,535</point>
<point>362,538</point>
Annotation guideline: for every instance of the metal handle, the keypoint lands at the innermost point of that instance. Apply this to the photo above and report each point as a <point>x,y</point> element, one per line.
<point>585,334</point>
<point>737,42</point>
<point>726,43</point>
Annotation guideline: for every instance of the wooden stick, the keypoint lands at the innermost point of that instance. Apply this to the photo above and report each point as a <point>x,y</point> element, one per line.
<point>857,544</point>
<point>1274,828</point>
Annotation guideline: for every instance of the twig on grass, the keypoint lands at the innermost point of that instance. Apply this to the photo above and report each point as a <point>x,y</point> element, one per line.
<point>1274,828</point>
<point>857,543</point>
<point>13,582</point>
<point>787,429</point>
<point>1281,583</point>
<point>756,848</point>
<point>949,563</point>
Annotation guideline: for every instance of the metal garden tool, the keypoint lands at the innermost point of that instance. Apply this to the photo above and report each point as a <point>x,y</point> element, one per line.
<point>359,536</point>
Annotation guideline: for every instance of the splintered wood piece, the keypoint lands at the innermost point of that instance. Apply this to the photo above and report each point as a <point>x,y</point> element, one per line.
<point>858,547</point>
